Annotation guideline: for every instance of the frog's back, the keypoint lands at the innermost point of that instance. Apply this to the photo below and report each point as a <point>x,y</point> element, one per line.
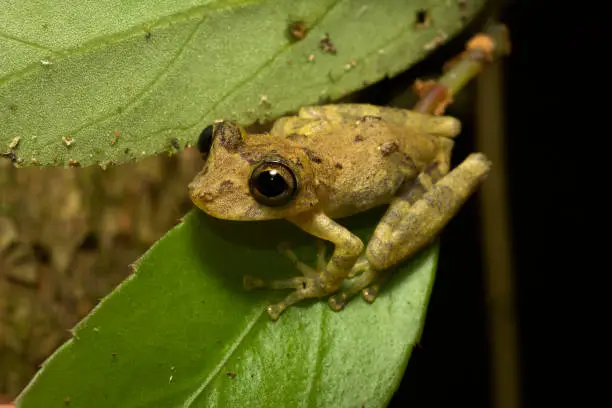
<point>361,164</point>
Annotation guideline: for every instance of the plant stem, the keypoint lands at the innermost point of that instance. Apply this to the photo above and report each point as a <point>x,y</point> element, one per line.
<point>480,50</point>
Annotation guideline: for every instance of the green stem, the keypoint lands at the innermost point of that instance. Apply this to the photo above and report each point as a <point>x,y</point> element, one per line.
<point>470,63</point>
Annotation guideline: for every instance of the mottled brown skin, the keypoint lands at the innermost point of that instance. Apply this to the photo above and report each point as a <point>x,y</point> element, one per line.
<point>347,159</point>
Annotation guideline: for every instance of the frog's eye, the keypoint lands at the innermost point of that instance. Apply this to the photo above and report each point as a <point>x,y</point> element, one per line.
<point>205,140</point>
<point>273,183</point>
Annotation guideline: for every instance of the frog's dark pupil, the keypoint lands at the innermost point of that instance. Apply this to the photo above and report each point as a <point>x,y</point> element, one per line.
<point>271,184</point>
<point>205,139</point>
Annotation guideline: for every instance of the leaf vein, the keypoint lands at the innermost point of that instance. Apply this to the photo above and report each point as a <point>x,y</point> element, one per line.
<point>191,398</point>
<point>144,90</point>
<point>28,43</point>
<point>318,364</point>
<point>247,80</point>
<point>104,40</point>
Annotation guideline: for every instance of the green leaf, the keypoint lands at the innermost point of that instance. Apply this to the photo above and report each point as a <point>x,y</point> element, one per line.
<point>182,332</point>
<point>111,81</point>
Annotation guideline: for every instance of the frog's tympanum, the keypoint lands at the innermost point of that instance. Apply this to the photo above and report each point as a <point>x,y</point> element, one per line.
<point>330,162</point>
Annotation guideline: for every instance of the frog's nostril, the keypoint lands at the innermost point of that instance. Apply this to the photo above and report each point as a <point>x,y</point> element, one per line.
<point>192,187</point>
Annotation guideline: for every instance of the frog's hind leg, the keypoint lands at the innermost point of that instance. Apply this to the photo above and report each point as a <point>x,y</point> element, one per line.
<point>412,220</point>
<point>363,274</point>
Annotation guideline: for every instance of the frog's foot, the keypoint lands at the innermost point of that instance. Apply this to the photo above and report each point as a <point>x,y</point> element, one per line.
<point>308,286</point>
<point>305,288</point>
<point>368,283</point>
<point>371,292</point>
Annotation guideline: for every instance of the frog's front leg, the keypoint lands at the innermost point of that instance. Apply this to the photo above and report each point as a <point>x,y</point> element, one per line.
<point>347,248</point>
<point>413,219</point>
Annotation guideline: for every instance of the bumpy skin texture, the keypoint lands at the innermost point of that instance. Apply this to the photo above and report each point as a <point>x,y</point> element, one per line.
<point>346,159</point>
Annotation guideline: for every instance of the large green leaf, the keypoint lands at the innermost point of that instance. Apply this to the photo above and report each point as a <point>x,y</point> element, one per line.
<point>107,81</point>
<point>182,332</point>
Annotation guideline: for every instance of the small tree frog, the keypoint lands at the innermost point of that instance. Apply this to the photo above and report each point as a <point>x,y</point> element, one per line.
<point>329,162</point>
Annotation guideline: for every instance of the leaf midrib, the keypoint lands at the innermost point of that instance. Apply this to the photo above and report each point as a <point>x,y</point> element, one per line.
<point>237,342</point>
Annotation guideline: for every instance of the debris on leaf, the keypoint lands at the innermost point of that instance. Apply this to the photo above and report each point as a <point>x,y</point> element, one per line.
<point>298,30</point>
<point>264,100</point>
<point>67,140</point>
<point>117,134</point>
<point>14,143</point>
<point>327,45</point>
<point>352,64</point>
<point>422,19</point>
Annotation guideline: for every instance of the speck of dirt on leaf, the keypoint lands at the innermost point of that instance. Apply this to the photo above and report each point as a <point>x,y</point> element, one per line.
<point>327,45</point>
<point>298,30</point>
<point>74,163</point>
<point>231,374</point>
<point>117,134</point>
<point>147,35</point>
<point>46,62</point>
<point>9,155</point>
<point>422,20</point>
<point>14,143</point>
<point>352,64</point>
<point>68,141</point>
<point>264,100</point>
<point>311,58</point>
<point>105,165</point>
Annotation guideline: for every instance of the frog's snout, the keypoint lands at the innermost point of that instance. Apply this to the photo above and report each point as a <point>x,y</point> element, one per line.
<point>197,194</point>
<point>191,188</point>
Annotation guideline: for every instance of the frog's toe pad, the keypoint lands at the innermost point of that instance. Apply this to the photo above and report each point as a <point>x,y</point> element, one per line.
<point>370,294</point>
<point>274,311</point>
<point>338,301</point>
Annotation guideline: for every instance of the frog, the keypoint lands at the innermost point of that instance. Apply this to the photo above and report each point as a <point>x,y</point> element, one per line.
<point>329,162</point>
